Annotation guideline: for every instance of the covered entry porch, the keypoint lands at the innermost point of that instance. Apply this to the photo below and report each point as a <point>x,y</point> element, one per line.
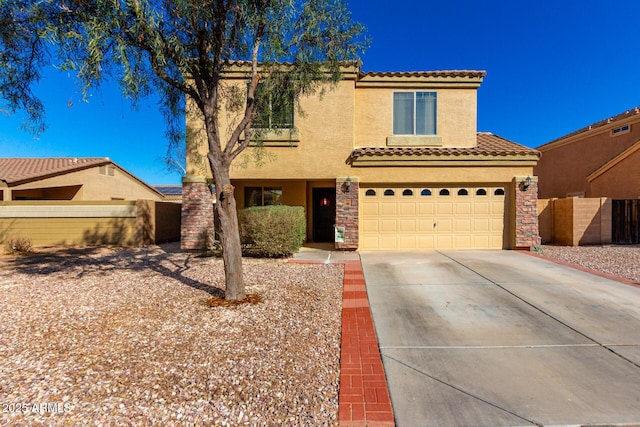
<point>320,199</point>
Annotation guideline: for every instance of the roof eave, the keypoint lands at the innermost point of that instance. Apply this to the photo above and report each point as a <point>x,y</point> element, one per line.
<point>356,160</point>
<point>14,183</point>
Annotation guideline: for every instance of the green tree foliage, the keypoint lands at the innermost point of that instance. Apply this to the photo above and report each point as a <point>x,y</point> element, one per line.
<point>178,49</point>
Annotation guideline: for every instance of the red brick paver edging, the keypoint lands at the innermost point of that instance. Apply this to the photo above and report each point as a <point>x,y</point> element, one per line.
<point>363,398</point>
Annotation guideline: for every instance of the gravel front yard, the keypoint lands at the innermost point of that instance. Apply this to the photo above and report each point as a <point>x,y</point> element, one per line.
<point>622,261</point>
<point>124,337</point>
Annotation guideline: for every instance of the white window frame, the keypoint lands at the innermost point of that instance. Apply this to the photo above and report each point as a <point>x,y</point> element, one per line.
<point>415,121</point>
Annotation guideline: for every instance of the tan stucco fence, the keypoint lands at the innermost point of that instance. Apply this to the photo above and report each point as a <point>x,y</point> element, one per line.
<point>122,223</point>
<point>575,221</point>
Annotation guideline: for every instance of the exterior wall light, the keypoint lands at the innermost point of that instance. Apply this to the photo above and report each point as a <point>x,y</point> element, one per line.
<point>347,186</point>
<point>526,183</point>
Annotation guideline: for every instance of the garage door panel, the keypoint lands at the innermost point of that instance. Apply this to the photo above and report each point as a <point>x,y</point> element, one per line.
<point>497,207</point>
<point>370,242</point>
<point>407,225</point>
<point>497,225</point>
<point>482,208</point>
<point>462,241</point>
<point>370,209</point>
<point>444,242</point>
<point>436,221</point>
<point>444,208</point>
<point>425,242</point>
<point>389,208</point>
<point>482,241</point>
<point>426,208</point>
<point>462,208</point>
<point>370,225</point>
<point>462,225</point>
<point>481,225</point>
<point>388,225</point>
<point>389,242</point>
<point>407,242</point>
<point>407,209</point>
<point>425,225</point>
<point>444,225</point>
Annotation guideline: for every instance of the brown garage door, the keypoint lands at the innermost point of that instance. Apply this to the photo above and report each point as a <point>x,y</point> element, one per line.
<point>431,217</point>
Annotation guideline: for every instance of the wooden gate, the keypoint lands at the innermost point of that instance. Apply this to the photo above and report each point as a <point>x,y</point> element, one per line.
<point>626,222</point>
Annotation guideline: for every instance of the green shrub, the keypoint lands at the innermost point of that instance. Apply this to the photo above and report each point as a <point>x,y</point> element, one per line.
<point>272,231</point>
<point>19,245</point>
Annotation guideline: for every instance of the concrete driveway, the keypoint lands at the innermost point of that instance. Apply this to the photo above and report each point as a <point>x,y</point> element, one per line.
<point>500,338</point>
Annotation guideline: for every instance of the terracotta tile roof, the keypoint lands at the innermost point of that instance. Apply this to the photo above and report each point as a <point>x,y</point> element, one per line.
<point>240,64</point>
<point>617,117</point>
<point>441,73</point>
<point>15,170</point>
<point>488,145</point>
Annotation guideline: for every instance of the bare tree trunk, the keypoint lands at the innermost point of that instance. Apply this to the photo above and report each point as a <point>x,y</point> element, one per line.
<point>229,236</point>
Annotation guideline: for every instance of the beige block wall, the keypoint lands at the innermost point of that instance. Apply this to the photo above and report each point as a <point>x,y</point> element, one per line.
<point>545,220</point>
<point>575,221</point>
<point>69,223</point>
<point>456,119</point>
<point>95,186</point>
<point>125,223</point>
<point>71,231</point>
<point>563,222</point>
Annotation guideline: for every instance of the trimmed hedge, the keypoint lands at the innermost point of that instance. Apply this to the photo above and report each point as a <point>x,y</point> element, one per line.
<point>272,231</point>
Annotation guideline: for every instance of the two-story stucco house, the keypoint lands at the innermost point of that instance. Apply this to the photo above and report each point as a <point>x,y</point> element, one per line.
<point>394,161</point>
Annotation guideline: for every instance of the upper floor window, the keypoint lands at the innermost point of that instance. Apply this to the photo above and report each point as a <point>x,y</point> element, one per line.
<point>275,109</point>
<point>414,113</point>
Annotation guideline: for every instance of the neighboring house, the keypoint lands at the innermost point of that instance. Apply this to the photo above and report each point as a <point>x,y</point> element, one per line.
<point>171,193</point>
<point>600,160</point>
<point>78,179</point>
<point>393,159</point>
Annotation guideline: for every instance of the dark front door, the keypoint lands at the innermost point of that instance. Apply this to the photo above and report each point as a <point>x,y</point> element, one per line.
<point>324,214</point>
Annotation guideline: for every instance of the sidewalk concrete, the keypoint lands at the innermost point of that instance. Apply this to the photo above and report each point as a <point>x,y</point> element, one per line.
<point>324,252</point>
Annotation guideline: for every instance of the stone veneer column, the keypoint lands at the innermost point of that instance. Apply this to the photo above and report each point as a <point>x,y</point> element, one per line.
<point>347,213</point>
<point>526,213</point>
<point>197,213</point>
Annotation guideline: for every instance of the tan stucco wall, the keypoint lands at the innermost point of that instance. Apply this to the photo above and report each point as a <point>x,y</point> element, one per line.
<point>331,126</point>
<point>95,186</point>
<point>455,120</point>
<point>622,181</point>
<point>564,165</point>
<point>326,139</point>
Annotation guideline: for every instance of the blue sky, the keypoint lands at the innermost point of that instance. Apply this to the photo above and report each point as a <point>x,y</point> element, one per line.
<point>552,68</point>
